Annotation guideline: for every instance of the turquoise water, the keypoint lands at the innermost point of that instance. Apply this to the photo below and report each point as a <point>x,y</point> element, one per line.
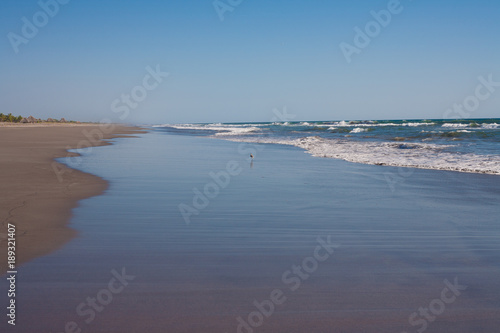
<point>400,235</point>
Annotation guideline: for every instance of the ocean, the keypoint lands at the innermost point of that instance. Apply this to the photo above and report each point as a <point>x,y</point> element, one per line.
<point>471,145</point>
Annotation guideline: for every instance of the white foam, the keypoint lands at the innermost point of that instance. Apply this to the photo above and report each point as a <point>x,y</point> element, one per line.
<point>452,125</point>
<point>238,131</point>
<point>368,124</point>
<point>490,126</point>
<point>359,130</point>
<point>303,123</point>
<point>416,155</point>
<point>221,129</point>
<point>471,126</point>
<point>417,124</point>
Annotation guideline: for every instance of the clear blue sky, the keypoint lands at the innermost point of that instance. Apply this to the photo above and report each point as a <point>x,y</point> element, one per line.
<point>264,55</point>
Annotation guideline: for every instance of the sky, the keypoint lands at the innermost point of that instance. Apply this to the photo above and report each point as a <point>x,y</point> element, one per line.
<point>166,62</point>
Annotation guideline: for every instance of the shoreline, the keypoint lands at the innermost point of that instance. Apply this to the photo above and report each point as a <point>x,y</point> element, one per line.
<point>39,194</point>
<point>258,236</point>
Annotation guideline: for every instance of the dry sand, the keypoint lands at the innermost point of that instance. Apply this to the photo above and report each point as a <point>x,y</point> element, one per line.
<point>37,194</point>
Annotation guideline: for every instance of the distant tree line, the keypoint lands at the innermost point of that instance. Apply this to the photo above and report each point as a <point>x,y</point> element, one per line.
<point>10,118</point>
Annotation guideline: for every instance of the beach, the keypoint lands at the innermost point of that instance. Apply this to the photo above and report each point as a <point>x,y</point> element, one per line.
<point>234,166</point>
<point>38,194</point>
<point>194,236</point>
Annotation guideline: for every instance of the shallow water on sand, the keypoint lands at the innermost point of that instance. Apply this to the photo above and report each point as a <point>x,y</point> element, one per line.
<point>400,234</point>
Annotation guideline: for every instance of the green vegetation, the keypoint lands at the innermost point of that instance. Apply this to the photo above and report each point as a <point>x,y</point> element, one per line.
<point>10,118</point>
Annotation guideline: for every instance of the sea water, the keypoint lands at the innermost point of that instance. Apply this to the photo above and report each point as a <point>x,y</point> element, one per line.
<point>471,145</point>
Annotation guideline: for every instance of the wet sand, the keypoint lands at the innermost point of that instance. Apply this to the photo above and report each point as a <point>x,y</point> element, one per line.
<point>38,194</point>
<point>398,244</point>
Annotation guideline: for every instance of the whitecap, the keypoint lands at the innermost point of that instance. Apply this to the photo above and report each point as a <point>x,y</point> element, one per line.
<point>455,125</point>
<point>490,126</point>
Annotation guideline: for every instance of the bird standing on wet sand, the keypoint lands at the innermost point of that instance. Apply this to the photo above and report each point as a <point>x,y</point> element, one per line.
<point>251,156</point>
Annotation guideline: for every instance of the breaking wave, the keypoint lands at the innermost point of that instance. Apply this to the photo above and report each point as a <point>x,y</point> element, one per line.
<point>462,145</point>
